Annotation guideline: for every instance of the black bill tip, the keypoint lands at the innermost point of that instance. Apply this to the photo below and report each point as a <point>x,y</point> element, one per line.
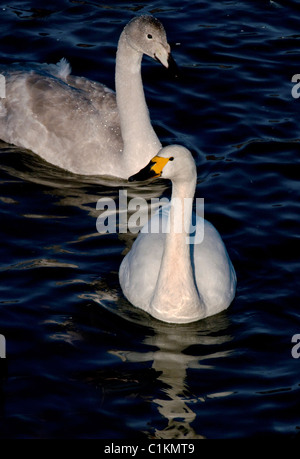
<point>144,174</point>
<point>172,66</point>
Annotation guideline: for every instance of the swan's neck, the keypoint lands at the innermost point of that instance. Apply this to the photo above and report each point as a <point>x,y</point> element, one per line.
<point>176,294</point>
<point>140,141</point>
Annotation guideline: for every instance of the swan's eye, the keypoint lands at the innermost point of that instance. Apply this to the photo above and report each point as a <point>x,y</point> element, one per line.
<point>172,158</point>
<point>149,36</point>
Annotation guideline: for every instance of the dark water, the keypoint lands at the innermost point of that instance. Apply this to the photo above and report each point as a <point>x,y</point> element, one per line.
<point>81,361</point>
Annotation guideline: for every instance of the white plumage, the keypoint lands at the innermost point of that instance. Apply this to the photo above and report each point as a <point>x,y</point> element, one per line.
<point>173,280</point>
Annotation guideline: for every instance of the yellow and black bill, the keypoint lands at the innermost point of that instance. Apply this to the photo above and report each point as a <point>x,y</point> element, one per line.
<point>153,169</point>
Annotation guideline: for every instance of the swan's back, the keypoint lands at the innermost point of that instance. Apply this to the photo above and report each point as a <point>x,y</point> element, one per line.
<point>48,107</point>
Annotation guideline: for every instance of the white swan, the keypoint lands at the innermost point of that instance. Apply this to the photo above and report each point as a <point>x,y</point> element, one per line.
<point>163,273</point>
<point>78,124</point>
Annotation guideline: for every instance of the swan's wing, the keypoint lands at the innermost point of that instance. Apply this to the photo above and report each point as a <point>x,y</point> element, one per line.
<point>69,122</point>
<point>100,95</point>
<point>140,268</point>
<point>70,110</point>
<point>214,273</point>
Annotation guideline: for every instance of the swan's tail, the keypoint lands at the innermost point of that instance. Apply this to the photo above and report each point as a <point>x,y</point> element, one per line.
<point>62,69</point>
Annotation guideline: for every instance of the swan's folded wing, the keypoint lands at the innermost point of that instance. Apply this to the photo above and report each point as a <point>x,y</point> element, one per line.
<point>66,109</point>
<point>139,269</point>
<point>67,126</point>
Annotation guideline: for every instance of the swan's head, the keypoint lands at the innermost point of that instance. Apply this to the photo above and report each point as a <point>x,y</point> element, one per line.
<point>147,35</point>
<point>173,162</point>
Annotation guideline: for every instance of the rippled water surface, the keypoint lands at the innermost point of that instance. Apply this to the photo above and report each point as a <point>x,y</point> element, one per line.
<point>81,361</point>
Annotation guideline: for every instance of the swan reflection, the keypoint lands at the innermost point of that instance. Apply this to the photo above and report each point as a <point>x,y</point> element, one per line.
<point>175,352</point>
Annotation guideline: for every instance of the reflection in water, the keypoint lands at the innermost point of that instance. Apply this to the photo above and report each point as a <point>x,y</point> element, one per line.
<point>69,190</point>
<point>171,361</point>
<point>172,358</point>
<point>76,190</point>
